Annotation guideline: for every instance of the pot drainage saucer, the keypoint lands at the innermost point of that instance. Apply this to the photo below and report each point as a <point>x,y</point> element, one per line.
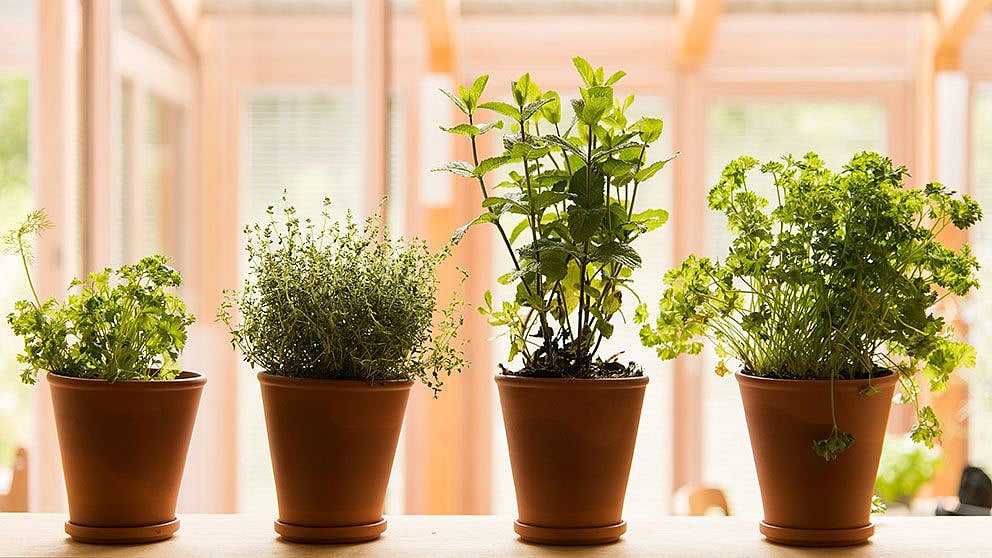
<point>330,535</point>
<point>122,535</point>
<point>816,537</point>
<point>570,535</point>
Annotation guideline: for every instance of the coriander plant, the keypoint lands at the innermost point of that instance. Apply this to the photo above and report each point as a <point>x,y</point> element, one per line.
<point>839,281</point>
<point>120,324</point>
<point>343,301</point>
<point>572,190</point>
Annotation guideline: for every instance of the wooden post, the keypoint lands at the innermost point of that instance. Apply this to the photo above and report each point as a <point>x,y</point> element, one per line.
<point>55,182</point>
<point>696,22</point>
<point>97,163</point>
<point>688,217</point>
<point>372,64</point>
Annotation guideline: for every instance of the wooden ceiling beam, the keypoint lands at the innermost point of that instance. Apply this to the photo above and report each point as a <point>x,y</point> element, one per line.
<point>171,23</point>
<point>957,19</point>
<point>440,18</point>
<point>696,20</point>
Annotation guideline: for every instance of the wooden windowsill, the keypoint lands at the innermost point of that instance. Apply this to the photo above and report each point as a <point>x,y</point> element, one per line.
<point>436,536</point>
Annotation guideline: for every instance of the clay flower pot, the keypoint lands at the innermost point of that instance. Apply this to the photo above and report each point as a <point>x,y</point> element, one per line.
<point>124,448</point>
<point>571,442</point>
<point>809,501</point>
<point>332,444</point>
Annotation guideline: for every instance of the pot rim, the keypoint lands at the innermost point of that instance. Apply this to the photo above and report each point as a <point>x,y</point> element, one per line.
<point>266,378</point>
<point>572,383</point>
<point>186,380</point>
<point>782,384</point>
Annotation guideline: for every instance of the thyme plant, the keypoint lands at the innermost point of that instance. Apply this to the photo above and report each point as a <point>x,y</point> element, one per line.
<point>839,281</point>
<point>570,203</point>
<point>119,324</point>
<point>343,301</point>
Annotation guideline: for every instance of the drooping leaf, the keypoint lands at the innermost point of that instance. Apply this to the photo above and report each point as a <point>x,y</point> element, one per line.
<point>531,108</point>
<point>565,145</point>
<point>459,233</point>
<point>617,252</point>
<point>488,165</point>
<point>454,99</point>
<point>649,171</point>
<point>459,168</point>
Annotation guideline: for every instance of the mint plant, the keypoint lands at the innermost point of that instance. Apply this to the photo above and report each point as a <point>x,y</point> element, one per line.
<point>342,300</point>
<point>119,324</point>
<point>570,200</point>
<point>839,281</point>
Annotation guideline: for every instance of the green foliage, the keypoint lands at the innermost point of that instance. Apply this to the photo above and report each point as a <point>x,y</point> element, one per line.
<point>118,324</point>
<point>905,468</point>
<point>878,505</point>
<point>343,301</point>
<point>571,193</point>
<point>14,137</point>
<point>839,281</point>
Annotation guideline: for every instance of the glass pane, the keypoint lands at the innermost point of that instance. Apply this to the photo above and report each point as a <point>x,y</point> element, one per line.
<point>980,305</point>
<point>150,174</point>
<point>148,27</point>
<point>766,129</point>
<point>16,64</point>
<point>16,195</point>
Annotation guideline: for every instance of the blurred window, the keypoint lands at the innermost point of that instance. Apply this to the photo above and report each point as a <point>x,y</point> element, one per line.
<point>980,305</point>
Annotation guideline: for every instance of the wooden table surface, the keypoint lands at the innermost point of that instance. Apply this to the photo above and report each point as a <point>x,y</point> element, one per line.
<point>480,536</point>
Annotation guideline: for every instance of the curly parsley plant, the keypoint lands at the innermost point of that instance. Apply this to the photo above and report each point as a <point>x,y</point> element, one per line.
<point>343,301</point>
<point>119,324</point>
<point>839,281</point>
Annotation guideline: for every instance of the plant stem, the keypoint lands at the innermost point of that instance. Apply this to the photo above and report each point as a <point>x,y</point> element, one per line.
<point>24,262</point>
<point>536,232</point>
<point>485,196</point>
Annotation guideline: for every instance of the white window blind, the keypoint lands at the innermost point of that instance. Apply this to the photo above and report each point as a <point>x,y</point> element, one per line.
<point>766,129</point>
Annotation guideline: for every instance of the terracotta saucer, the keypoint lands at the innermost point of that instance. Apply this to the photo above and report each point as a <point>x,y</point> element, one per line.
<point>122,535</point>
<point>570,536</point>
<point>330,535</point>
<point>816,537</point>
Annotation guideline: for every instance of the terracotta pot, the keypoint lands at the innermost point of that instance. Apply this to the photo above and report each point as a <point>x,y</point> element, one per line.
<point>332,444</point>
<point>571,443</point>
<point>807,500</point>
<point>124,448</point>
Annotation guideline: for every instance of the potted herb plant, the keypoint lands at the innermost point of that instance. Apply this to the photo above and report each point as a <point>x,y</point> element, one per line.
<point>826,303</point>
<point>571,415</point>
<point>124,411</point>
<point>341,319</point>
